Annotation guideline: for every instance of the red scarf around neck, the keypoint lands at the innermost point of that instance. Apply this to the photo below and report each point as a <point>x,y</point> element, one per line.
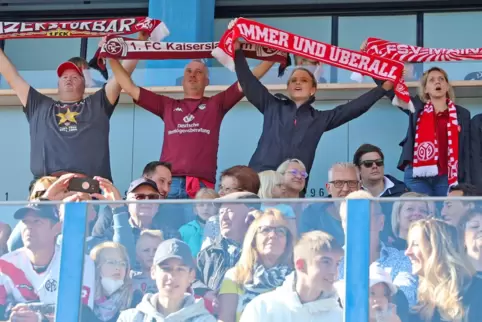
<point>276,39</point>
<point>425,155</point>
<point>125,48</point>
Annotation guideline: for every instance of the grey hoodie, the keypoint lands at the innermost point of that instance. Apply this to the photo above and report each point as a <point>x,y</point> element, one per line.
<point>192,311</point>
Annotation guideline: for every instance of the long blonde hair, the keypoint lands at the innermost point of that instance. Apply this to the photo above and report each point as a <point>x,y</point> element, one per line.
<point>126,289</point>
<point>423,84</point>
<point>446,270</point>
<point>243,271</point>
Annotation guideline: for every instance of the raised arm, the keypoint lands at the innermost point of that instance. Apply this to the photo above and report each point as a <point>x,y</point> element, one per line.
<point>123,80</point>
<point>259,71</point>
<point>113,87</point>
<point>354,108</point>
<point>16,82</point>
<point>255,92</point>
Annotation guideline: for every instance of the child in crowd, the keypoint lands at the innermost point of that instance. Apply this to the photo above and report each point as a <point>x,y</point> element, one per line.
<point>113,287</point>
<point>142,281</point>
<point>382,289</point>
<point>192,233</point>
<point>174,271</point>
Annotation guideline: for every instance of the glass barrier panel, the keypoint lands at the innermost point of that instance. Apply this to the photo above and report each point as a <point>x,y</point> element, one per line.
<point>115,243</point>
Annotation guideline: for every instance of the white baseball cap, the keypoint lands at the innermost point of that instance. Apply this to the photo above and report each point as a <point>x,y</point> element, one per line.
<point>377,274</point>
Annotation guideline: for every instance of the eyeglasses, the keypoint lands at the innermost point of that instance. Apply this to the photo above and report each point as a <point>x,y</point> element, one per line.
<point>141,196</point>
<point>228,189</point>
<point>112,262</point>
<point>297,173</point>
<point>341,183</point>
<point>279,231</point>
<point>369,163</point>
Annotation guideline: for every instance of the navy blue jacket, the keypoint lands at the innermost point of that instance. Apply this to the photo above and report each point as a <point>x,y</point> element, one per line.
<point>281,138</point>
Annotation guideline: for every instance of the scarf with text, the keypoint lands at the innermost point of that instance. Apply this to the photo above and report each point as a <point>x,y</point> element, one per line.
<point>84,29</point>
<point>426,154</point>
<point>414,54</point>
<point>125,48</point>
<point>260,34</point>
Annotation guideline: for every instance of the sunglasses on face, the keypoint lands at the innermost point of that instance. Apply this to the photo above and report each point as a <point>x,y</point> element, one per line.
<point>141,196</point>
<point>279,231</point>
<point>297,173</point>
<point>341,183</point>
<point>369,163</point>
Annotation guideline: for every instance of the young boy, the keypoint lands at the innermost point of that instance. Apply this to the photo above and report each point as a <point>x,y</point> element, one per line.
<point>142,282</point>
<point>307,294</point>
<point>174,271</point>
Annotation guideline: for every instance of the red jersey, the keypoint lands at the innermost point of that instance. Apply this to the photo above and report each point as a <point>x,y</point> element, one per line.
<point>191,129</point>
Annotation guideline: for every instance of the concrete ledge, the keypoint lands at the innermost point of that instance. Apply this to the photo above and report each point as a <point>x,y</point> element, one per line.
<point>326,92</point>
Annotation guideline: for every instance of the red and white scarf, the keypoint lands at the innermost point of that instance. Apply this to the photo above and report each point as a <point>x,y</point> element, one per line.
<point>83,28</point>
<point>414,54</point>
<point>276,39</point>
<point>426,154</point>
<point>125,48</point>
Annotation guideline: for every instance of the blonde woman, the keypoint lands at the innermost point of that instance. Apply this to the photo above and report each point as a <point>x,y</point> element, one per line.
<point>266,260</point>
<point>471,226</point>
<point>294,176</point>
<point>448,288</point>
<point>113,290</point>
<point>404,213</point>
<point>431,161</point>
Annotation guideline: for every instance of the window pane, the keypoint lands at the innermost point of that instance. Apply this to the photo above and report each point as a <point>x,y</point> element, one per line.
<point>354,30</point>
<point>41,54</point>
<point>454,30</point>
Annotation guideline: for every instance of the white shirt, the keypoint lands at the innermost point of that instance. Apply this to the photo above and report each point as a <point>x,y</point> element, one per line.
<point>20,282</point>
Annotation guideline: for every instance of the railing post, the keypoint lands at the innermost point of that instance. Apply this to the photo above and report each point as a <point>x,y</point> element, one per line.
<point>71,263</point>
<point>357,260</point>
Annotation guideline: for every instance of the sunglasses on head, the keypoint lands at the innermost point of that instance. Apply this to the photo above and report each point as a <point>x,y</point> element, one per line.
<point>369,163</point>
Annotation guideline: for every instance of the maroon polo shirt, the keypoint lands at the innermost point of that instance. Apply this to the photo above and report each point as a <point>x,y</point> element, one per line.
<point>441,121</point>
<point>191,129</point>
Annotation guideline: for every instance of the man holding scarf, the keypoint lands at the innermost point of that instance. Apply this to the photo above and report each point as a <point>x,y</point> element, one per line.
<point>191,124</point>
<point>71,134</point>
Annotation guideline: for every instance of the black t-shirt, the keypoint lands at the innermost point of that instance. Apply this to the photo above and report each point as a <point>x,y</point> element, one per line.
<point>71,137</point>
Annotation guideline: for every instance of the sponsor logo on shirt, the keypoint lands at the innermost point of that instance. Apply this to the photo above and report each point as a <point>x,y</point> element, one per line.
<point>202,107</point>
<point>188,118</point>
<point>178,109</point>
<point>67,121</point>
